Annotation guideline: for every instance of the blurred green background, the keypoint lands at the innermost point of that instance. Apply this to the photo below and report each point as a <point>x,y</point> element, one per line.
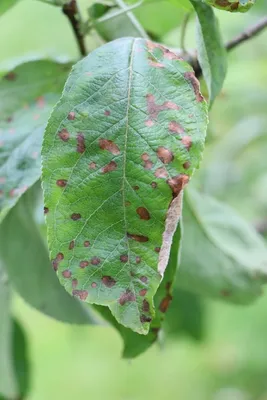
<point>230,363</point>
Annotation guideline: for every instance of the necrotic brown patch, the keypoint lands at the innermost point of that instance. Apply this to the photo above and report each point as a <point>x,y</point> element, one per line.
<point>110,146</point>
<point>165,303</point>
<point>80,143</point>
<point>153,109</point>
<point>82,294</point>
<point>175,127</point>
<point>71,116</point>
<point>154,185</point>
<point>59,257</point>
<point>144,279</point>
<point>127,296</point>
<point>71,245</point>
<point>142,292</point>
<point>95,260</point>
<point>138,238</point>
<point>75,216</point>
<point>161,173</point>
<point>186,165</point>
<point>145,319</point>
<point>148,164</point>
<point>165,155</point>
<point>108,281</point>
<point>145,157</point>
<point>187,142</point>
<point>64,135</point>
<point>109,167</point>
<point>157,249</point>
<point>46,210</point>
<point>92,165</point>
<point>177,183</point>
<point>190,76</point>
<point>11,76</point>
<point>84,264</point>
<point>124,258</point>
<point>61,182</point>
<point>156,64</point>
<point>135,187</point>
<point>74,283</point>
<point>66,273</point>
<point>143,213</point>
<point>94,284</point>
<point>145,306</point>
<point>86,243</point>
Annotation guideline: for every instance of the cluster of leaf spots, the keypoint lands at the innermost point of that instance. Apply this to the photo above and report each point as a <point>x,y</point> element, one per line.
<point>232,5</point>
<point>119,147</point>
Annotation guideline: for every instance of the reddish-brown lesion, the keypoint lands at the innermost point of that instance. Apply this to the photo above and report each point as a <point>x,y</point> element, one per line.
<point>110,146</point>
<point>165,155</point>
<point>143,213</point>
<point>177,183</point>
<point>126,297</point>
<point>80,143</point>
<point>109,167</point>
<point>154,109</point>
<point>190,76</point>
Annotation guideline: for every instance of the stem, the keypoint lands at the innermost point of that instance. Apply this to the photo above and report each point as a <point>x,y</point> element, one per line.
<point>134,21</point>
<point>71,11</point>
<point>118,13</point>
<point>183,31</point>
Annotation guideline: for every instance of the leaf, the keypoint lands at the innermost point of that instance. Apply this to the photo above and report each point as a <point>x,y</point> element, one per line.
<point>109,178</point>
<point>231,5</point>
<point>58,3</point>
<point>27,263</point>
<point>222,255</point>
<point>27,96</point>
<point>212,55</point>
<point>135,344</point>
<point>6,4</point>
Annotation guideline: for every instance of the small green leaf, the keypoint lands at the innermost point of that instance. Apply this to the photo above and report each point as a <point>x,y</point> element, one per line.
<point>222,255</point>
<point>119,147</point>
<point>27,263</point>
<point>58,3</point>
<point>232,5</point>
<point>27,96</point>
<point>6,4</point>
<point>212,55</point>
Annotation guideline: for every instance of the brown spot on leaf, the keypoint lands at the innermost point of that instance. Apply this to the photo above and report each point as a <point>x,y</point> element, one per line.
<point>109,167</point>
<point>64,135</point>
<point>177,183</point>
<point>71,116</point>
<point>71,245</point>
<point>124,258</point>
<point>75,216</point>
<point>186,165</point>
<point>94,284</point>
<point>175,127</point>
<point>82,294</point>
<point>145,306</point>
<point>144,279</point>
<point>86,243</point>
<point>143,292</point>
<point>84,264</point>
<point>80,143</point>
<point>74,283</point>
<point>92,165</point>
<point>127,296</point>
<point>156,64</point>
<point>157,249</point>
<point>135,187</point>
<point>145,157</point>
<point>11,76</point>
<point>165,303</point>
<point>148,164</point>
<point>154,185</point>
<point>149,123</point>
<point>143,213</point>
<point>137,260</point>
<point>56,261</point>
<point>109,146</point>
<point>165,155</point>
<point>61,182</point>
<point>66,273</point>
<point>107,113</point>
<point>187,142</point>
<point>153,109</point>
<point>46,210</point>
<point>108,281</point>
<point>161,173</point>
<point>144,319</point>
<point>95,260</point>
<point>190,76</point>
<point>138,238</point>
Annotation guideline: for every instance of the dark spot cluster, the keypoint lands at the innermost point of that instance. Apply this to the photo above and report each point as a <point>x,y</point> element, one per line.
<point>109,167</point>
<point>108,281</point>
<point>80,143</point>
<point>177,183</point>
<point>82,294</point>
<point>147,162</point>
<point>55,262</point>
<point>84,264</point>
<point>153,109</point>
<point>110,146</point>
<point>64,135</point>
<point>66,273</point>
<point>165,155</point>
<point>190,76</point>
<point>95,261</point>
<point>128,296</point>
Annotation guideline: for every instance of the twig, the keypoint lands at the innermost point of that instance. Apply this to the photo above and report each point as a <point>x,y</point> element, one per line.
<point>134,21</point>
<point>183,30</point>
<point>71,11</point>
<point>118,13</point>
<point>243,37</point>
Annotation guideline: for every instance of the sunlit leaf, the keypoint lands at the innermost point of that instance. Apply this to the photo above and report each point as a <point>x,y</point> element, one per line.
<point>211,52</point>
<point>222,255</point>
<point>231,5</point>
<point>27,96</point>
<point>119,147</point>
<point>6,4</point>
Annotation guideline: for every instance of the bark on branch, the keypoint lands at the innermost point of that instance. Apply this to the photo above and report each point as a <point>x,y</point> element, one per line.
<point>71,11</point>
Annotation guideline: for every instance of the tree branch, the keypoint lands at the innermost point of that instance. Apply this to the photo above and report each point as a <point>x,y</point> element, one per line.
<point>243,37</point>
<point>71,11</point>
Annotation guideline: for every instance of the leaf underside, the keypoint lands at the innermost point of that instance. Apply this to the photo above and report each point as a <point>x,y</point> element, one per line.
<point>232,5</point>
<point>119,147</point>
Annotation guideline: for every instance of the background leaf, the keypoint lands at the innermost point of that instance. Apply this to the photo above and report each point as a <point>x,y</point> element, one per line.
<point>211,52</point>
<point>109,178</point>
<point>232,5</point>
<point>27,95</point>
<point>222,255</point>
<point>6,4</point>
<point>27,263</point>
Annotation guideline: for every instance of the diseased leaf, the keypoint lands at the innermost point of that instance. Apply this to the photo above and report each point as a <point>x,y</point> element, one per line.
<point>28,266</point>
<point>212,55</point>
<point>27,96</point>
<point>119,147</point>
<point>6,4</point>
<point>232,5</point>
<point>222,255</point>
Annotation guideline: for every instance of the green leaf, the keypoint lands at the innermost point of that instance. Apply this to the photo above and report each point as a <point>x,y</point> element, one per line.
<point>222,255</point>
<point>231,5</point>
<point>118,149</point>
<point>58,3</point>
<point>27,263</point>
<point>6,4</point>
<point>27,96</point>
<point>212,55</point>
